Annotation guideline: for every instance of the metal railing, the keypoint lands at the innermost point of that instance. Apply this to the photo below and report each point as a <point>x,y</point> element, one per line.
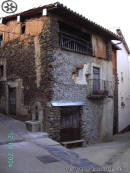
<point>76,45</point>
<point>98,87</point>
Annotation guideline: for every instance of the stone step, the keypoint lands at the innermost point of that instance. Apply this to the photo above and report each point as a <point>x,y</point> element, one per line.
<point>72,142</point>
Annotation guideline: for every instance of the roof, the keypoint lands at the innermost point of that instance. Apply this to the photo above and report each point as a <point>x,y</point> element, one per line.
<point>123,40</point>
<point>62,10</point>
<point>61,103</point>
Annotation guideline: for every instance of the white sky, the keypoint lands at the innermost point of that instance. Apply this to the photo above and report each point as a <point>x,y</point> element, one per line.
<point>111,14</point>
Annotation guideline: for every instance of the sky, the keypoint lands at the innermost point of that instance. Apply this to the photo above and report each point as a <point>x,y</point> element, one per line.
<point>111,14</point>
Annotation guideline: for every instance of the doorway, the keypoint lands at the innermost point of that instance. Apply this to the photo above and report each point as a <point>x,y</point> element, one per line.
<point>12,101</point>
<point>70,123</point>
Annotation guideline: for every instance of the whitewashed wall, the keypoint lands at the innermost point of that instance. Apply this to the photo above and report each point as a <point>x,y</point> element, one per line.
<point>123,69</point>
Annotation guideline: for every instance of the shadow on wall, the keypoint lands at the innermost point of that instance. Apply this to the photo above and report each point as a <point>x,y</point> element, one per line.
<point>2,110</point>
<point>21,117</point>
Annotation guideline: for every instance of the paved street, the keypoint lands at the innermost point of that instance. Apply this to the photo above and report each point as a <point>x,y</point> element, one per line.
<point>36,153</point>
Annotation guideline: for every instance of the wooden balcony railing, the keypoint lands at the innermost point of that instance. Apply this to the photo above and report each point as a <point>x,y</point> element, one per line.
<point>75,44</point>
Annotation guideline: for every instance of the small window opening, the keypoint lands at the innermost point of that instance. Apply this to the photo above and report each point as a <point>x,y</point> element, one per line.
<point>23,29</point>
<point>1,70</point>
<point>79,72</point>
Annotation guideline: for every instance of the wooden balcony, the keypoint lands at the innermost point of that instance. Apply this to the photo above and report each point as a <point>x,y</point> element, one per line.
<point>75,44</point>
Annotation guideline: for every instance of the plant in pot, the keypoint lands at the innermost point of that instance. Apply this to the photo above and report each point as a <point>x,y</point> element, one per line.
<point>100,92</point>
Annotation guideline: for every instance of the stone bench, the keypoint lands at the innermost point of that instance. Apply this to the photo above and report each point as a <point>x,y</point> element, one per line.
<point>72,142</point>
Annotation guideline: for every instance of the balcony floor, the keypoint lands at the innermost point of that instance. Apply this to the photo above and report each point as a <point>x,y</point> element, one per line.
<point>96,96</point>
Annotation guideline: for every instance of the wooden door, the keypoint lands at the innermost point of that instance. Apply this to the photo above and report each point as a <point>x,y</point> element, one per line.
<point>70,123</point>
<point>12,100</point>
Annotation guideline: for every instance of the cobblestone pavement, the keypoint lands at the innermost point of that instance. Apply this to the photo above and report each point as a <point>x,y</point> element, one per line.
<point>71,158</point>
<point>123,166</point>
<point>77,160</point>
<point>58,151</point>
<point>14,125</point>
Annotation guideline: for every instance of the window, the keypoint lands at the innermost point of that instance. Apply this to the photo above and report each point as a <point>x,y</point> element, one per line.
<point>98,87</point>
<point>23,29</point>
<point>75,40</point>
<point>1,40</point>
<point>1,70</point>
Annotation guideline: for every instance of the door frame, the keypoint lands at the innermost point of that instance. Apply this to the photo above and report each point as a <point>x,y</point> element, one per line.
<point>9,102</point>
<point>71,128</point>
<point>12,84</point>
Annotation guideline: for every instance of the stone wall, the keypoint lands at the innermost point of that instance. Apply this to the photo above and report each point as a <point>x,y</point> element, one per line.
<point>95,117</point>
<point>52,120</point>
<point>28,60</point>
<point>46,75</point>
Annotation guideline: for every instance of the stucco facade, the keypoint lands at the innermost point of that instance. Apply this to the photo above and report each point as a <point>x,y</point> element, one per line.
<point>123,87</point>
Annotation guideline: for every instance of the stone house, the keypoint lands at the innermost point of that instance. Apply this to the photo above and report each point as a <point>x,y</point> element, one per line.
<point>57,67</point>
